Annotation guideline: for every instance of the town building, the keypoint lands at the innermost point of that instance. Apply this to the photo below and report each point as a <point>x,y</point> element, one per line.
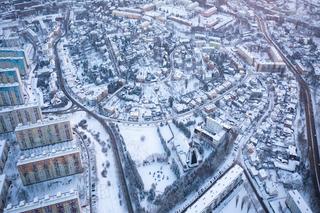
<point>213,132</point>
<point>10,117</point>
<point>218,191</point>
<point>50,162</point>
<point>43,133</point>
<point>66,202</point>
<point>4,148</point>
<point>4,186</point>
<point>296,203</point>
<point>11,94</point>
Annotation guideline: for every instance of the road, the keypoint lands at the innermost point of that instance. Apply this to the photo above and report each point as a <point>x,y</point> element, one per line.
<point>61,82</point>
<point>307,101</point>
<point>85,147</point>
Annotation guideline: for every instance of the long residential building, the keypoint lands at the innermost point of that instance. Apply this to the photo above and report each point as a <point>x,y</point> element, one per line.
<point>11,94</point>
<point>296,203</point>
<point>4,148</point>
<point>43,133</point>
<point>50,162</point>
<point>210,199</point>
<point>10,75</point>
<point>67,202</point>
<point>14,62</point>
<point>10,117</point>
<point>4,186</point>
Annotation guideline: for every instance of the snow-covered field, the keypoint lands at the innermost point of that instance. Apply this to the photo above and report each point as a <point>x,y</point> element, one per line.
<point>159,174</point>
<point>108,196</point>
<point>141,142</point>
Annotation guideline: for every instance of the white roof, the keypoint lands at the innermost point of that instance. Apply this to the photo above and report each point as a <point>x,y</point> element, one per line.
<point>299,201</point>
<point>17,107</point>
<point>40,203</point>
<point>47,152</point>
<point>40,124</point>
<point>216,190</point>
<point>2,181</point>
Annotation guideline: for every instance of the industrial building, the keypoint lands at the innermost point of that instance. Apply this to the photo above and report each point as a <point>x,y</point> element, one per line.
<point>10,117</point>
<point>50,162</point>
<point>223,186</point>
<point>11,94</point>
<point>43,133</point>
<point>67,202</point>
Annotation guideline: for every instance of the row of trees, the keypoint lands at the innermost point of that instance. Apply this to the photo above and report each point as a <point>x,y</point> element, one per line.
<point>191,182</point>
<point>182,127</point>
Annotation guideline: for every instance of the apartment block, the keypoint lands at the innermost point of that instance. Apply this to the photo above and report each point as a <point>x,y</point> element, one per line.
<point>4,186</point>
<point>4,148</point>
<point>14,62</point>
<point>10,117</point>
<point>50,162</point>
<point>11,94</point>
<point>67,202</point>
<point>10,75</point>
<point>296,203</point>
<point>43,133</point>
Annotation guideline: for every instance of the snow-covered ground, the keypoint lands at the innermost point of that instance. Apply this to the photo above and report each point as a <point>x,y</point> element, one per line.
<point>234,202</point>
<point>108,195</point>
<point>141,142</point>
<point>159,174</point>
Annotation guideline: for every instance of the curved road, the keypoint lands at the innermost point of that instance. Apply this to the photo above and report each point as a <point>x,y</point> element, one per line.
<point>306,98</point>
<point>113,141</point>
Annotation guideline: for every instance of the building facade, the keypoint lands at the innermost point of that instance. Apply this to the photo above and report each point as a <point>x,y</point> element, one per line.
<point>14,62</point>
<point>11,94</point>
<point>67,202</point>
<point>218,191</point>
<point>4,148</point>
<point>4,186</point>
<point>43,133</point>
<point>10,117</point>
<point>296,203</point>
<point>54,161</point>
<point>11,75</point>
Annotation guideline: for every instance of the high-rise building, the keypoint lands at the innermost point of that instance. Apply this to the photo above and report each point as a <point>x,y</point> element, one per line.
<point>4,148</point>
<point>10,117</point>
<point>67,202</point>
<point>4,186</point>
<point>13,58</point>
<point>50,162</point>
<point>43,133</point>
<point>296,203</point>
<point>10,75</point>
<point>218,191</point>
<point>11,94</point>
<point>14,62</point>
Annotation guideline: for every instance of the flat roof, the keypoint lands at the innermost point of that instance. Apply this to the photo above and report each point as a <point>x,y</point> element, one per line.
<point>47,152</point>
<point>41,123</point>
<point>299,201</point>
<point>2,181</point>
<point>15,69</point>
<point>15,84</point>
<point>42,202</point>
<point>17,107</point>
<point>216,190</point>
